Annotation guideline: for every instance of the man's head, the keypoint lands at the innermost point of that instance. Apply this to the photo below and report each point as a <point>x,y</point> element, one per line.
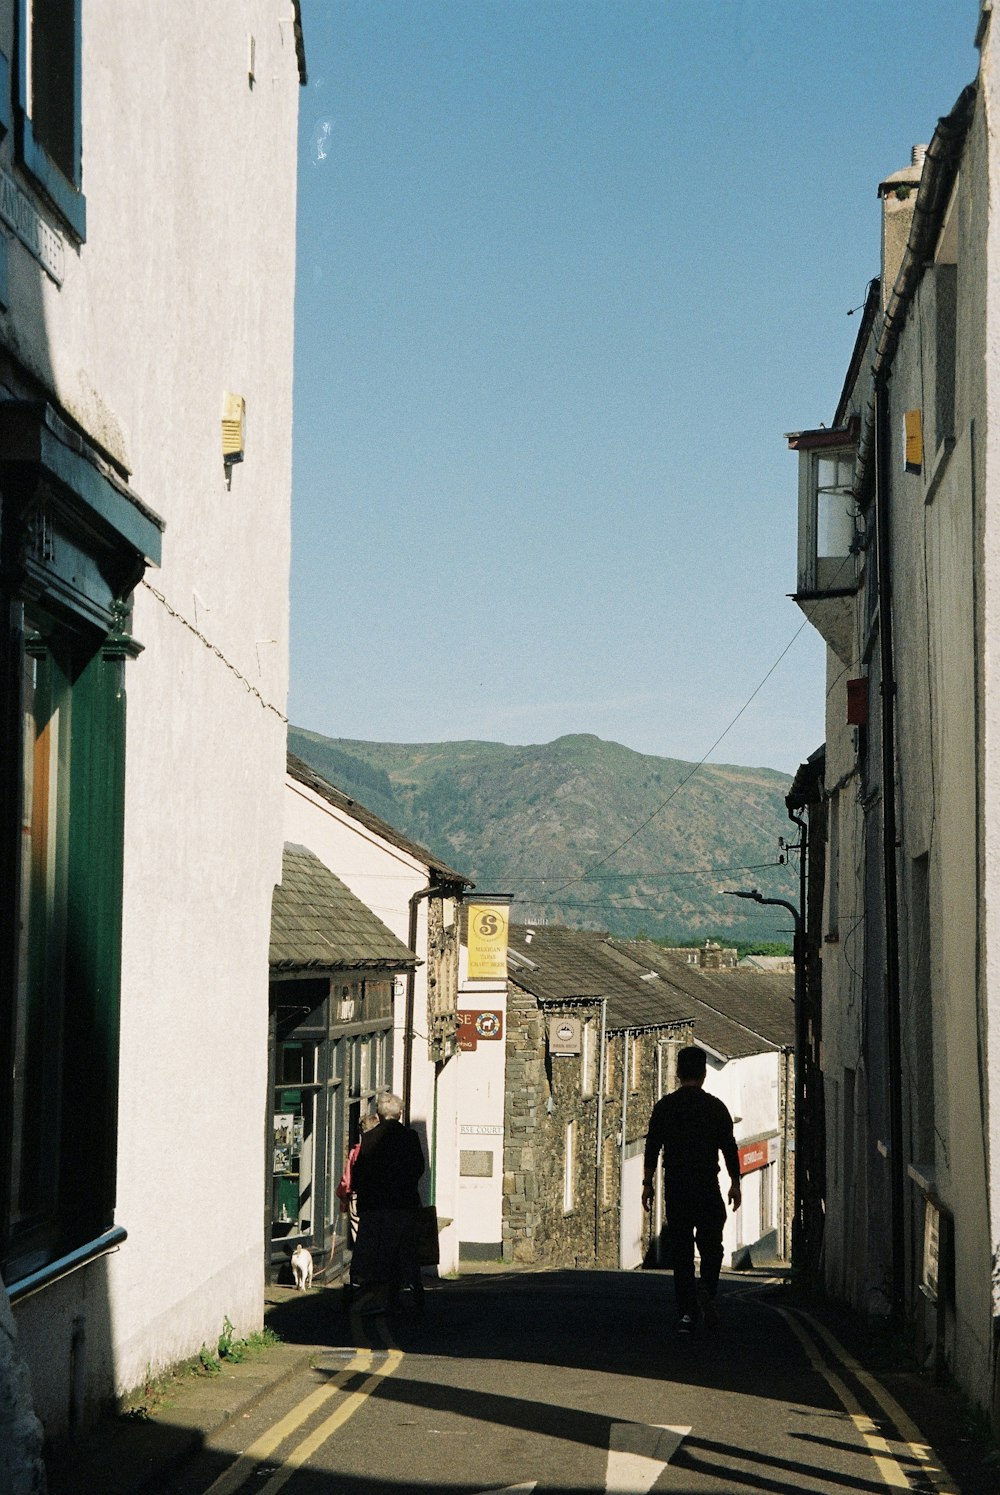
<point>388,1106</point>
<point>692,1065</point>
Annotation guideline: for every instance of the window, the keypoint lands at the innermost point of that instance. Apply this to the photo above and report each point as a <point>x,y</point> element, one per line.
<point>295,1138</point>
<point>588,1059</point>
<point>608,1172</point>
<point>768,1175</point>
<point>635,1075</point>
<point>63,1034</point>
<point>827,511</point>
<point>63,647</point>
<point>569,1169</point>
<point>609,1071</point>
<point>49,104</point>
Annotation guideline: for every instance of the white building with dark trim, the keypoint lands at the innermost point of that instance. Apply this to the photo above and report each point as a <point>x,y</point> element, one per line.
<point>147,195</point>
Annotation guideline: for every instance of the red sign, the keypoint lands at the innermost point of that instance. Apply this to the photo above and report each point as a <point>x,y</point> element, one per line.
<point>753,1155</point>
<point>473,1026</point>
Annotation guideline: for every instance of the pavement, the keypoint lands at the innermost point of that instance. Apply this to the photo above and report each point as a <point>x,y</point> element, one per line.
<point>139,1453</point>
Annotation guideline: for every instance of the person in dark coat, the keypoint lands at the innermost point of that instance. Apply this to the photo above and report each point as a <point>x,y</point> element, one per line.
<point>385,1176</point>
<point>691,1128</point>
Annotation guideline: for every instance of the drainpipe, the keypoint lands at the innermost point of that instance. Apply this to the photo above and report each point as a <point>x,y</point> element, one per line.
<point>807,1141</point>
<point>657,1215</point>
<point>890,891</point>
<point>411,981</point>
<point>621,1161</point>
<point>599,1146</point>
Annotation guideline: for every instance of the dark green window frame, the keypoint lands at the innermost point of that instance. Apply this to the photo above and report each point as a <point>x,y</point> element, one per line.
<point>74,541</point>
<point>49,129</point>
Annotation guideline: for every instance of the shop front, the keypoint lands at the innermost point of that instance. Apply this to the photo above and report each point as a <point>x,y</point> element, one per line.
<point>333,965</point>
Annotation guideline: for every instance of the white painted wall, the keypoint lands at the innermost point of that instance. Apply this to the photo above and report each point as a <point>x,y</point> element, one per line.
<point>479,1116</point>
<point>750,1090</point>
<point>183,291</point>
<point>946,620</point>
<point>385,877</point>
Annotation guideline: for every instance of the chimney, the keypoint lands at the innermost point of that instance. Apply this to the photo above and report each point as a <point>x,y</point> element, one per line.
<point>899,195</point>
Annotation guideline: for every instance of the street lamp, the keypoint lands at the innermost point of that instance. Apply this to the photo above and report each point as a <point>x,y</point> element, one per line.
<point>799,957</point>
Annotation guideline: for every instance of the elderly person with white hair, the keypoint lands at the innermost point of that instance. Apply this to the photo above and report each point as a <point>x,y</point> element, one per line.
<point>385,1176</point>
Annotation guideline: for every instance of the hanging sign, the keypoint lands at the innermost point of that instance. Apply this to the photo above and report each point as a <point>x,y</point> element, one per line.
<point>753,1155</point>
<point>487,942</point>
<point>473,1026</point>
<point>564,1036</point>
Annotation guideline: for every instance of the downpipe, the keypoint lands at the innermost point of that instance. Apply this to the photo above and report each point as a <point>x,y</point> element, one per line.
<point>889,878</point>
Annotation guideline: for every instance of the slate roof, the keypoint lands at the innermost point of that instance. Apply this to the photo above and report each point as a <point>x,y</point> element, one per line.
<point>738,1010</point>
<point>318,925</point>
<point>554,964</point>
<point>303,774</point>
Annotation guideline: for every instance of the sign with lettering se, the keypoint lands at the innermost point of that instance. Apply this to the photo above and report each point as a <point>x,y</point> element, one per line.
<point>473,1026</point>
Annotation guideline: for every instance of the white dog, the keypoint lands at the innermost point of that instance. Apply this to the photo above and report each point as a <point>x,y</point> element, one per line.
<point>302,1268</point>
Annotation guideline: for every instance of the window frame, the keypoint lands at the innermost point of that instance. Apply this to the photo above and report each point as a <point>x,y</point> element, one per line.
<point>569,1167</point>
<point>63,193</point>
<point>74,541</point>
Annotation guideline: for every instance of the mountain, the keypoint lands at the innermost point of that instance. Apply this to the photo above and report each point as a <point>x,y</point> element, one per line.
<point>531,821</point>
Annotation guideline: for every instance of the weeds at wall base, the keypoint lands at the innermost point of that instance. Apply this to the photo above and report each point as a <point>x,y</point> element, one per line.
<point>144,1400</point>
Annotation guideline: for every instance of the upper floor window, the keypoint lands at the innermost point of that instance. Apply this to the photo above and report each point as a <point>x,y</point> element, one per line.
<point>827,511</point>
<point>635,1069</point>
<point>829,533</point>
<point>588,1059</point>
<point>49,104</point>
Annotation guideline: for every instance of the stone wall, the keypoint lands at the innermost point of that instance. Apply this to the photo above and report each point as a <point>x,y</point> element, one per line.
<point>545,1219</point>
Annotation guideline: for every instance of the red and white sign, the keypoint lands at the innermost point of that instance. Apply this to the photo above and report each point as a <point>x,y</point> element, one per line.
<point>752,1156</point>
<point>473,1026</point>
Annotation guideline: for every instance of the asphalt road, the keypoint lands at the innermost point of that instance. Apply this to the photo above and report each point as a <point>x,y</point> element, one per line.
<point>571,1382</point>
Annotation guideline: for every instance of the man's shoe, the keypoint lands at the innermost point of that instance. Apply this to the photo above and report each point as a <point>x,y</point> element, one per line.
<point>685,1324</point>
<point>709,1310</point>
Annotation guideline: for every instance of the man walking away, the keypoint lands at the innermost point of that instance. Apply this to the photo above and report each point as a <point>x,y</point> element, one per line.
<point>691,1128</point>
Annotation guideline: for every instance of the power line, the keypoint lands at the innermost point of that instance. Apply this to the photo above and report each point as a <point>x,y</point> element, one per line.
<point>687,777</point>
<point>677,872</point>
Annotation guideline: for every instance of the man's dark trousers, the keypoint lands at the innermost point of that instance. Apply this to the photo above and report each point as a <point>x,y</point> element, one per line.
<point>695,1211</point>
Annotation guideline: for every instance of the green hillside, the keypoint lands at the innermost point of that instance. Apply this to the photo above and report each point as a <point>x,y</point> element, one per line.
<point>526,820</point>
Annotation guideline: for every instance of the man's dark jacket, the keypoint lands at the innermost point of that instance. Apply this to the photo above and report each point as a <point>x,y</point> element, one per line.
<point>692,1128</point>
<point>388,1167</point>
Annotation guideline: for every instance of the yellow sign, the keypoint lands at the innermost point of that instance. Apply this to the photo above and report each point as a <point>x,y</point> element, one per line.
<point>487,942</point>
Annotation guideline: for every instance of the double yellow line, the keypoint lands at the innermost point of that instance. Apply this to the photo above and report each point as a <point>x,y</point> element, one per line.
<point>263,1449</point>
<point>931,1470</point>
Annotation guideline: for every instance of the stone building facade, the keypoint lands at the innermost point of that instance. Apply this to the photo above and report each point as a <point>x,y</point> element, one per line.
<point>575,1120</point>
<point>593,1029</point>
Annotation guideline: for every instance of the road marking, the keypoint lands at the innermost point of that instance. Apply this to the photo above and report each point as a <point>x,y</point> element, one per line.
<point>512,1489</point>
<point>931,1466</point>
<point>638,1454</point>
<point>886,1464</point>
<point>315,1440</point>
<point>263,1447</point>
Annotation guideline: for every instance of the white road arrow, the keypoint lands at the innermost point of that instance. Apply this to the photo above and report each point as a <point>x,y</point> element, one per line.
<point>512,1489</point>
<point>638,1454</point>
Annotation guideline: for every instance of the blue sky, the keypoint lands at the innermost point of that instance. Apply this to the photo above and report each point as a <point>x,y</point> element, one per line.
<point>567,271</point>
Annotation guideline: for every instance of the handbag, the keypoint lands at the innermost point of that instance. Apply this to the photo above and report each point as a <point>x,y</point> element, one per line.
<point>428,1250</point>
